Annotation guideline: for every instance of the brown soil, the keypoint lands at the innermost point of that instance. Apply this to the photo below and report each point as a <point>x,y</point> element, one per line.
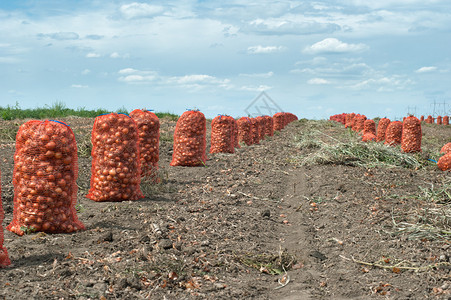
<point>250,225</point>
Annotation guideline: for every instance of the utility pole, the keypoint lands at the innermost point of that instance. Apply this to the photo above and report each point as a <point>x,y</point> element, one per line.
<point>443,104</point>
<point>434,111</point>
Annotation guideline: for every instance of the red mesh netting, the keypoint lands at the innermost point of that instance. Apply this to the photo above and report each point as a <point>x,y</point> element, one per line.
<point>446,148</point>
<point>236,143</point>
<point>222,140</point>
<point>261,127</point>
<point>445,120</point>
<point>444,162</point>
<point>269,126</point>
<point>255,131</point>
<point>282,119</point>
<point>149,141</point>
<point>115,171</point>
<point>411,135</point>
<point>422,118</point>
<point>279,121</point>
<point>381,129</point>
<point>393,135</point>
<point>44,179</point>
<point>244,130</point>
<point>429,120</point>
<point>369,131</point>
<point>439,120</point>
<point>340,118</point>
<point>4,258</point>
<point>349,120</point>
<point>290,118</point>
<point>359,120</point>
<point>190,140</point>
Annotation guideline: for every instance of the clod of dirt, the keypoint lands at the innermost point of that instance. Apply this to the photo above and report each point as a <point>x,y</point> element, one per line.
<point>165,244</point>
<point>266,213</point>
<point>100,286</point>
<point>106,237</point>
<point>318,255</point>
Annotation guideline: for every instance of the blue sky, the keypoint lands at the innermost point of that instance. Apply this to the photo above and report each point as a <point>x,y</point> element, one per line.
<point>313,58</point>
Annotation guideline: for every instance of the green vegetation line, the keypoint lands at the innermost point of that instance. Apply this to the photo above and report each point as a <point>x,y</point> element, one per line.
<point>59,110</point>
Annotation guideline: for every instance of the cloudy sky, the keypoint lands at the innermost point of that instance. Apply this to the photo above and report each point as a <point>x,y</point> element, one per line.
<point>312,58</point>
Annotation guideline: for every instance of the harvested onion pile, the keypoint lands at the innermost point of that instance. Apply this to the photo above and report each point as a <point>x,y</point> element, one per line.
<point>255,131</point>
<point>279,122</point>
<point>382,129</point>
<point>244,130</point>
<point>393,135</point>
<point>411,135</point>
<point>444,162</point>
<point>349,120</point>
<point>269,126</point>
<point>115,171</point>
<point>45,174</point>
<point>4,259</point>
<point>369,131</point>
<point>446,148</point>
<point>190,140</point>
<point>359,123</point>
<point>236,142</point>
<point>222,140</point>
<point>261,127</point>
<point>439,120</point>
<point>149,140</point>
<point>282,119</point>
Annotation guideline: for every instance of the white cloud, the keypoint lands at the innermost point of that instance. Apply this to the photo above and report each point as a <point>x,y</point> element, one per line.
<point>86,72</point>
<point>281,26</point>
<point>140,10</point>
<point>259,88</point>
<point>333,45</point>
<point>60,35</point>
<point>92,55</point>
<point>137,78</point>
<point>384,84</point>
<point>392,3</point>
<point>426,69</point>
<point>79,86</point>
<point>194,79</point>
<point>258,75</point>
<point>341,69</point>
<point>117,55</point>
<point>191,82</point>
<point>264,49</point>
<point>318,81</point>
<point>128,71</point>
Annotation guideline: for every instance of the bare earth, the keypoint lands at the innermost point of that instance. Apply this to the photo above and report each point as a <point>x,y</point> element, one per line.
<point>251,225</point>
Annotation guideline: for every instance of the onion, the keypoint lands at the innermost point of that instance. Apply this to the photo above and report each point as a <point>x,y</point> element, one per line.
<point>45,173</point>
<point>111,155</point>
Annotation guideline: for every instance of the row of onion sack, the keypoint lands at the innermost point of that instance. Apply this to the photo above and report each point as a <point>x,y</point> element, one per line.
<point>408,134</point>
<point>439,120</point>
<point>125,149</point>
<point>226,134</point>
